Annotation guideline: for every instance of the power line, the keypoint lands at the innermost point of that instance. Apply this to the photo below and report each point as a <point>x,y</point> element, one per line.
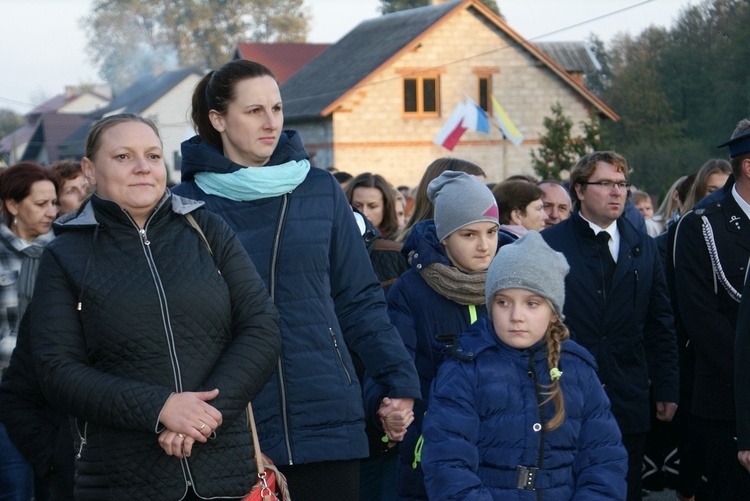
<point>14,102</point>
<point>340,92</point>
<point>594,19</point>
<point>553,32</point>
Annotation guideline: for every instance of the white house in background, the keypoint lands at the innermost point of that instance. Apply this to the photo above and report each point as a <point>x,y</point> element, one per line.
<point>165,99</point>
<point>76,100</point>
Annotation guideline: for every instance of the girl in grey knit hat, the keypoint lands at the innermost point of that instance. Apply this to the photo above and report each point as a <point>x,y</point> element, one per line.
<point>518,406</point>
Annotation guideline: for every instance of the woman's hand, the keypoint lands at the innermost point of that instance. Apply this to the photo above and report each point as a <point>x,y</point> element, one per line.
<point>176,444</point>
<point>395,416</point>
<point>189,414</point>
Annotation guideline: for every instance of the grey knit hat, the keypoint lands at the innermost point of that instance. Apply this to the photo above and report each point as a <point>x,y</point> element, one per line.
<point>530,264</point>
<point>460,199</point>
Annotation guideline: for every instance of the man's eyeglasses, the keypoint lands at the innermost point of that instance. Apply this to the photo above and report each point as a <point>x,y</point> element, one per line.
<point>621,185</point>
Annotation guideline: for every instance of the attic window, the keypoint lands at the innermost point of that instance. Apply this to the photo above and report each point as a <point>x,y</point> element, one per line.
<point>421,95</point>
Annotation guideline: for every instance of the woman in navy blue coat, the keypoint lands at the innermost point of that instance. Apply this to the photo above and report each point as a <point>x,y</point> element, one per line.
<point>298,228</point>
<point>518,412</point>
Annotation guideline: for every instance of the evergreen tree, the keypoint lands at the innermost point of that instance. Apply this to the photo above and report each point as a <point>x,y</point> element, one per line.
<point>9,121</point>
<point>679,92</point>
<point>559,151</point>
<point>599,81</point>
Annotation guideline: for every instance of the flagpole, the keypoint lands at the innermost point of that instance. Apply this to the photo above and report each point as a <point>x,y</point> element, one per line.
<point>505,156</point>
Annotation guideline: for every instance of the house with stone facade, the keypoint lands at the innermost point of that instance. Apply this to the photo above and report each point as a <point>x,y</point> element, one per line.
<point>375,100</point>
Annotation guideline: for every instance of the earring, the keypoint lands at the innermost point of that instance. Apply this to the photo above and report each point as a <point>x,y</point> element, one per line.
<point>15,222</point>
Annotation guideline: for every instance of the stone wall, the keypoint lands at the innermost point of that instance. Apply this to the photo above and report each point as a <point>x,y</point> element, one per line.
<point>371,133</point>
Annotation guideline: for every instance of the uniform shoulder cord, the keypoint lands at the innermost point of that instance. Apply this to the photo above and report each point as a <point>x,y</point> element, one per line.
<point>713,252</point>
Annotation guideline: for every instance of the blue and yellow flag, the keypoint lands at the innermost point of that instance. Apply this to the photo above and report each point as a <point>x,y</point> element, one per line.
<point>506,125</point>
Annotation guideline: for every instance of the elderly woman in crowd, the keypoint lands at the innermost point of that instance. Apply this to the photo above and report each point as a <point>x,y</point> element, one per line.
<point>152,329</point>
<point>73,187</point>
<point>521,208</point>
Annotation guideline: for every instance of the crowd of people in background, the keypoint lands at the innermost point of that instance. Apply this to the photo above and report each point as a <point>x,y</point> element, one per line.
<point>464,338</point>
<point>628,314</point>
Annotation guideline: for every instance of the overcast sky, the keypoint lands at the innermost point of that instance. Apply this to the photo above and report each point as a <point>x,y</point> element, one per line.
<point>43,47</point>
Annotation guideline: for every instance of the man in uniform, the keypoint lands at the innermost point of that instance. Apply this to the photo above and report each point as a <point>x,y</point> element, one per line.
<point>616,302</point>
<point>711,251</point>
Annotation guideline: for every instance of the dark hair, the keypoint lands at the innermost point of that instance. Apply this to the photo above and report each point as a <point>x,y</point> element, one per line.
<point>389,225</point>
<point>523,177</point>
<point>515,195</point>
<point>423,208</point>
<point>94,137</point>
<point>684,187</point>
<point>342,177</point>
<point>585,167</point>
<point>216,90</point>
<point>16,181</point>
<point>66,170</point>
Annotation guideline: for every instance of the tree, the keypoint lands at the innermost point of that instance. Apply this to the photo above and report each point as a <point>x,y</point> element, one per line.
<point>9,121</point>
<point>679,92</point>
<point>600,80</point>
<point>128,39</point>
<point>389,6</point>
<point>559,151</point>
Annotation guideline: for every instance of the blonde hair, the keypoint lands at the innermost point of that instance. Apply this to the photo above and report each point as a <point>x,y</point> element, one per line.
<point>556,333</point>
<point>698,188</point>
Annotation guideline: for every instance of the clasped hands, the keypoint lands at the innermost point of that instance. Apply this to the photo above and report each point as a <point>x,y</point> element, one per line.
<point>188,418</point>
<point>396,414</point>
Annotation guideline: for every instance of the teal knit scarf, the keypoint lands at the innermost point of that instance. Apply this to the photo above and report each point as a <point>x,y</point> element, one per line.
<point>254,183</point>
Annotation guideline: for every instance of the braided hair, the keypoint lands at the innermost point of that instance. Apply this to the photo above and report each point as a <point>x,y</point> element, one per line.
<point>555,335</point>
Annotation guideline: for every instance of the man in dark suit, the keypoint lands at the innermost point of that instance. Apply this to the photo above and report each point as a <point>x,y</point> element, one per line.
<point>616,302</point>
<point>711,251</point>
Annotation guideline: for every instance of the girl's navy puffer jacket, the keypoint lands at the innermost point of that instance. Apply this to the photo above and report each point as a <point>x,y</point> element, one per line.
<point>484,426</point>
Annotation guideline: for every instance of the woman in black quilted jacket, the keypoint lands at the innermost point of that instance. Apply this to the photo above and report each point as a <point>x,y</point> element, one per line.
<point>152,329</point>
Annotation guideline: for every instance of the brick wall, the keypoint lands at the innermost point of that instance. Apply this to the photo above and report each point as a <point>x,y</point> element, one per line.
<point>372,135</point>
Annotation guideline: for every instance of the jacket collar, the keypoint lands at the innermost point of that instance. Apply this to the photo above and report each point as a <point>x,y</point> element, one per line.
<point>736,220</point>
<point>86,216</point>
<point>481,337</point>
<point>200,156</point>
<point>630,238</point>
<point>424,247</point>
